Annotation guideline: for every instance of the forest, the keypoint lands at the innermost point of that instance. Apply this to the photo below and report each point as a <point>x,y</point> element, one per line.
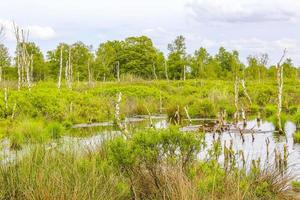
<point>138,57</point>
<point>127,121</point>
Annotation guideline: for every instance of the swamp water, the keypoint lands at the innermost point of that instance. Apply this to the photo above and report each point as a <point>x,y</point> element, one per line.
<point>253,149</point>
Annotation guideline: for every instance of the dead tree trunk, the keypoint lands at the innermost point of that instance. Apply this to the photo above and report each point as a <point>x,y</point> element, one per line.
<point>184,72</point>
<point>187,115</point>
<point>60,68</point>
<point>23,59</point>
<point>118,71</point>
<point>69,71</point>
<point>154,71</point>
<point>245,91</point>
<point>31,68</point>
<point>89,73</point>
<point>0,73</point>
<point>279,69</point>
<point>236,99</point>
<point>166,71</point>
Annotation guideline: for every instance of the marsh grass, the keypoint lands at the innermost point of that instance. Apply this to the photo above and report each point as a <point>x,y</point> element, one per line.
<point>55,175</point>
<point>296,137</point>
<point>150,165</point>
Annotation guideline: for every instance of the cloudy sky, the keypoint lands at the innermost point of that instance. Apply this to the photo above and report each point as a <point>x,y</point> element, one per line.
<point>249,26</point>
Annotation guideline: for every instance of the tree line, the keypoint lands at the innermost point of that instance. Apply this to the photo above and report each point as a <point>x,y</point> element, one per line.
<point>137,56</point>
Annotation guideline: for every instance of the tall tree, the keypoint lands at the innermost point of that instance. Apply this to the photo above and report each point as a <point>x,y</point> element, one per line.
<point>107,58</point>
<point>199,63</point>
<point>80,56</point>
<point>177,58</point>
<point>54,59</point>
<point>4,59</point>
<point>229,62</point>
<point>39,68</point>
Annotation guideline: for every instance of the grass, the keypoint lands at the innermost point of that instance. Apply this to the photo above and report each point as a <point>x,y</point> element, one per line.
<point>85,104</point>
<point>148,165</point>
<point>296,137</point>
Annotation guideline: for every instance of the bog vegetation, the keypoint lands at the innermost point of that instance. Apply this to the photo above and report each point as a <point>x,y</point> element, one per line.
<point>42,99</point>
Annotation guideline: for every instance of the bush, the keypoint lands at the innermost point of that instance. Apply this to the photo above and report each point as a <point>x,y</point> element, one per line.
<point>296,119</point>
<point>149,155</point>
<point>270,110</point>
<point>55,130</point>
<point>296,137</point>
<point>28,131</point>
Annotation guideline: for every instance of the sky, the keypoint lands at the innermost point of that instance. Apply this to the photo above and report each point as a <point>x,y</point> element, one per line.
<point>250,26</point>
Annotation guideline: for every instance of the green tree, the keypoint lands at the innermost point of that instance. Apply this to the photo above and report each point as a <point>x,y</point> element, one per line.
<point>139,57</point>
<point>107,56</point>
<point>199,63</point>
<point>4,56</point>
<point>229,62</point>
<point>4,62</point>
<point>135,55</point>
<point>257,67</point>
<point>40,69</point>
<point>54,59</point>
<point>80,57</point>
<point>177,58</point>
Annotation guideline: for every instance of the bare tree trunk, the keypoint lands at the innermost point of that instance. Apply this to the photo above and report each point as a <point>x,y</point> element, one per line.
<point>60,68</point>
<point>187,115</point>
<point>31,68</point>
<point>0,73</point>
<point>166,71</point>
<point>184,72</point>
<point>121,126</point>
<point>23,59</point>
<point>5,101</point>
<point>19,71</point>
<point>89,73</point>
<point>279,70</point>
<point>245,91</point>
<point>244,118</point>
<point>67,73</point>
<point>236,100</point>
<point>154,71</point>
<point>118,71</point>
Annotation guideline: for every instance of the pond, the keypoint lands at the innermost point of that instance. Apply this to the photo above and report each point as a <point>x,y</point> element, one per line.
<point>254,145</point>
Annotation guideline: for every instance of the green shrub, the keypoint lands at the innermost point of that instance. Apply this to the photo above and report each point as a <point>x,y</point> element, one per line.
<point>270,110</point>
<point>55,130</point>
<point>274,120</point>
<point>296,137</point>
<point>29,131</point>
<point>296,119</point>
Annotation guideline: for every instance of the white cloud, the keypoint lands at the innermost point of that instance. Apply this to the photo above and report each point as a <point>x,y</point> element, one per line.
<point>41,32</point>
<point>232,11</point>
<point>258,45</point>
<point>35,31</point>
